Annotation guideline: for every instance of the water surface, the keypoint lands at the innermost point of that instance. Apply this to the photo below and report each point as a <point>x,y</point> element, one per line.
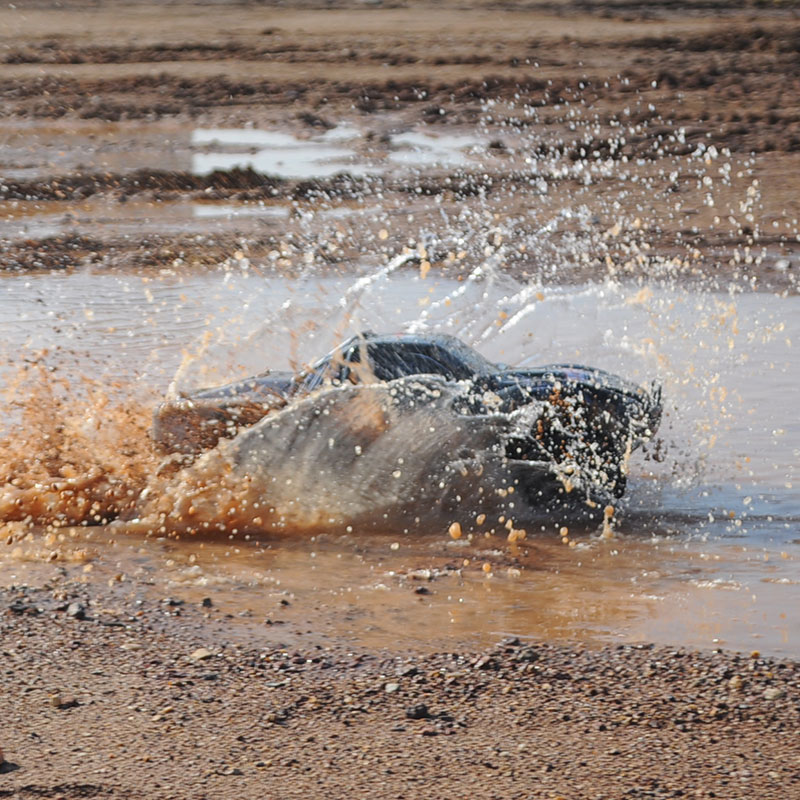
<point>705,549</point>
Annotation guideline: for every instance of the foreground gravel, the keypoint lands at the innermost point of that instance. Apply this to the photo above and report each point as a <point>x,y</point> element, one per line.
<point>105,695</point>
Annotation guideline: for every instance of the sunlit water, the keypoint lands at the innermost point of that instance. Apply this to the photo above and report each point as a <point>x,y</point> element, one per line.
<point>705,551</point>
<point>203,150</point>
<point>326,154</point>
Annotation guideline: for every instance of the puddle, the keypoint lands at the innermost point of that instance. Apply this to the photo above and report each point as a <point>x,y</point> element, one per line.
<point>274,153</point>
<point>211,210</point>
<point>32,150</point>
<point>365,590</point>
<point>102,217</point>
<point>420,149</point>
<point>706,550</point>
<point>706,544</point>
<point>30,153</point>
<point>341,149</point>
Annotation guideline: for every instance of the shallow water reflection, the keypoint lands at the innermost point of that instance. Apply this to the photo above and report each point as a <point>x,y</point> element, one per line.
<point>439,593</point>
<point>272,153</point>
<point>341,149</point>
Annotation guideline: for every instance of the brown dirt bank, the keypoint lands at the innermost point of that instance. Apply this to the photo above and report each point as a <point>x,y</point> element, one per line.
<point>146,711</point>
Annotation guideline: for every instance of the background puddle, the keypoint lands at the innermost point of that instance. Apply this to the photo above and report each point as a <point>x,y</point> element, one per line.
<point>274,153</point>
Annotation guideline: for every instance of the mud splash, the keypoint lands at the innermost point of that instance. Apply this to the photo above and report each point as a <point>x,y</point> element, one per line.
<point>337,461</point>
<point>63,427</point>
<point>395,457</point>
<point>71,453</point>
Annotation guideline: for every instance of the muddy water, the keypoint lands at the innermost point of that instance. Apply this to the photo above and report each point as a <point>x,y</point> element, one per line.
<point>705,551</point>
<point>32,150</point>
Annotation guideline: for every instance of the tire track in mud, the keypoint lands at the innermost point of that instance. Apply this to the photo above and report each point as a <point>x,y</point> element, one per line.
<point>758,39</point>
<point>718,94</point>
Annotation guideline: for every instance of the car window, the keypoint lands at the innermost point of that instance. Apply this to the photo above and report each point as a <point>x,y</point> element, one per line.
<point>451,364</point>
<point>396,360</point>
<point>388,360</point>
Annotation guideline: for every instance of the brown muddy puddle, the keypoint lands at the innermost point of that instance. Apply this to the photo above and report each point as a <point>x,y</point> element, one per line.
<point>706,547</point>
<point>35,150</point>
<point>429,593</point>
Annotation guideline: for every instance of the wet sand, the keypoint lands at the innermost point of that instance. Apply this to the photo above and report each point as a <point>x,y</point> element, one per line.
<point>112,689</point>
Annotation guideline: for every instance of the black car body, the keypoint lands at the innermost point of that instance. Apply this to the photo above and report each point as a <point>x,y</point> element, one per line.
<point>582,426</point>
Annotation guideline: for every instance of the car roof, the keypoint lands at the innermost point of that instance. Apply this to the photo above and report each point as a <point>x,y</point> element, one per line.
<point>455,347</point>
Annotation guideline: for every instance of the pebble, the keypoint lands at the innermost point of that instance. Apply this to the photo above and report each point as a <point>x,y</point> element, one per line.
<point>76,610</point>
<point>60,701</point>
<point>419,711</point>
<point>201,654</point>
<point>527,654</point>
<point>391,688</point>
<point>773,693</point>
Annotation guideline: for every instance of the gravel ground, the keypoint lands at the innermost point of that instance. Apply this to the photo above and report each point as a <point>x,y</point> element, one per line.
<point>108,695</point>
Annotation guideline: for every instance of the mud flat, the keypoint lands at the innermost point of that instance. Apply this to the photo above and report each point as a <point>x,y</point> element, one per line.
<point>674,128</point>
<point>624,163</point>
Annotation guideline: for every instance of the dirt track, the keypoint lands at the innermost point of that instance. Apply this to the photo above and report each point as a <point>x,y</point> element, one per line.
<point>591,94</point>
<point>113,705</point>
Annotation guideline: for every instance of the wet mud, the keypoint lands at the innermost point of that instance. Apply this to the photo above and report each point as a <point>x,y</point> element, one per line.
<point>577,92</point>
